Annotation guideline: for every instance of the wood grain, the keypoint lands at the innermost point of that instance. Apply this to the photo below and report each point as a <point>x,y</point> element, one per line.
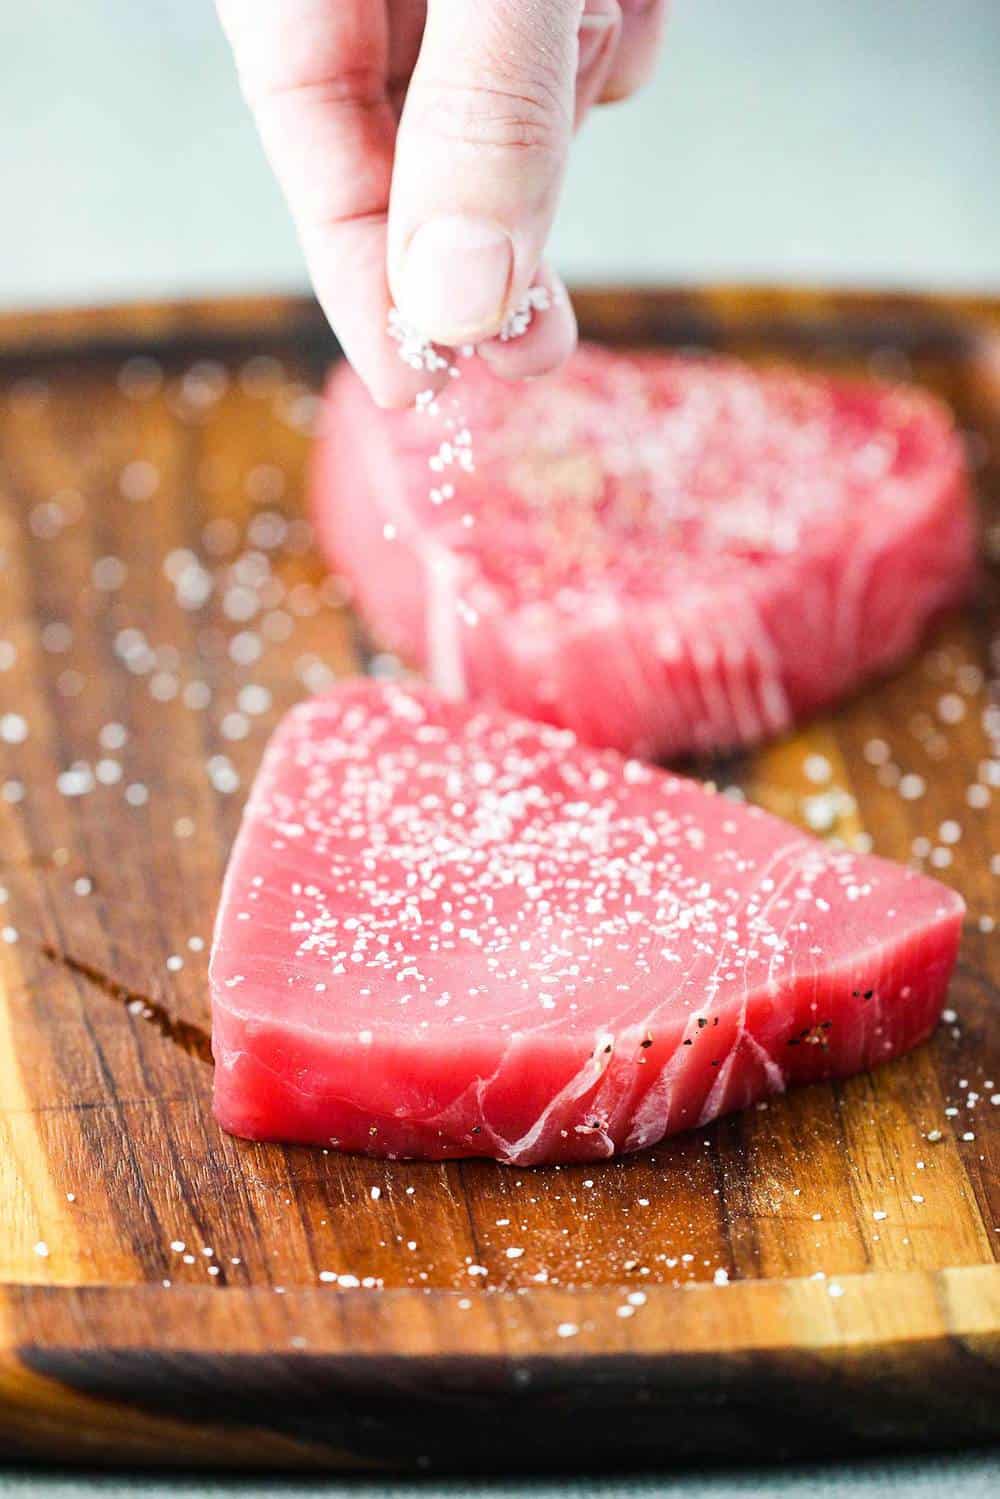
<point>160,606</point>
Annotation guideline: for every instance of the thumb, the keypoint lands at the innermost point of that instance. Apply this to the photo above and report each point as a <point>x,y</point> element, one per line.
<point>480,158</point>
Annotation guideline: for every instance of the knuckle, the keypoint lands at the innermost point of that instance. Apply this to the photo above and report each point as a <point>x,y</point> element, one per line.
<point>494,115</point>
<point>267,86</point>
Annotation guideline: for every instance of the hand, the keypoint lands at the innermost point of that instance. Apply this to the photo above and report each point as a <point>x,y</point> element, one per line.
<point>421,145</point>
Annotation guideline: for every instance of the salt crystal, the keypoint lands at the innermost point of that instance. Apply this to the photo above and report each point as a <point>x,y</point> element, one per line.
<point>817,769</point>
<point>138,481</point>
<point>13,728</point>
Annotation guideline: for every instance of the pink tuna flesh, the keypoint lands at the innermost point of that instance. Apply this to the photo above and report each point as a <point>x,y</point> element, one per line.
<point>663,554</point>
<point>451,932</point>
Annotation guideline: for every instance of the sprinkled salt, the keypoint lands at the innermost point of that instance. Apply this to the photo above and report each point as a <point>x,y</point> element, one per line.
<point>817,769</point>
<point>951,708</point>
<point>254,699</point>
<point>222,774</point>
<point>77,781</point>
<point>112,736</point>
<point>13,728</point>
<point>139,480</point>
<point>234,726</point>
<point>108,574</point>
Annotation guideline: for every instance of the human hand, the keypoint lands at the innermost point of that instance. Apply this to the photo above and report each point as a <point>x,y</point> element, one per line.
<point>421,145</point>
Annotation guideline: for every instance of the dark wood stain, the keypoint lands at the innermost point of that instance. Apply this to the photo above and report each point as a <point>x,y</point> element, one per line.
<point>190,1038</point>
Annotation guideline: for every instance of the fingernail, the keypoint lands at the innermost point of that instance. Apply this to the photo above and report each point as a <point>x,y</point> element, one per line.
<point>455,278</point>
<point>594,28</point>
<point>597,20</point>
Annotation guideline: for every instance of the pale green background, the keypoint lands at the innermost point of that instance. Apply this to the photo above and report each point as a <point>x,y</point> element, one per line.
<point>934,1478</point>
<point>832,140</point>
<point>846,140</point>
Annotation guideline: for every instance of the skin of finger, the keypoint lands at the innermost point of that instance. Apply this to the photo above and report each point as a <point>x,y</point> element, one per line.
<point>487,123</point>
<point>638,49</point>
<point>356,259</point>
<point>314,75</point>
<point>548,343</point>
<point>406,28</point>
<point>598,48</point>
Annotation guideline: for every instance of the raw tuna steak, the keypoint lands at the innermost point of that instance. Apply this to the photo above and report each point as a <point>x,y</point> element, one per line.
<point>663,554</point>
<point>447,931</point>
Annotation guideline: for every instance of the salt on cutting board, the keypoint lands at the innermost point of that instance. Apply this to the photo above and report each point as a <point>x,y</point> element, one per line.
<point>173,1294</point>
<point>447,931</point>
<point>665,554</point>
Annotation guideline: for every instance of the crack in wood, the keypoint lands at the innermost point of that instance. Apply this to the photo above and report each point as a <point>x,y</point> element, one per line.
<point>189,1037</point>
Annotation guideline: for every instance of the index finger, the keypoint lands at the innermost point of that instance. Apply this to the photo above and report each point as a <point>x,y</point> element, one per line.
<point>315,75</point>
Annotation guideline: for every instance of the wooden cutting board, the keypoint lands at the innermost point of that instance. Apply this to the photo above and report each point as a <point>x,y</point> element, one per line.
<point>814,1275</point>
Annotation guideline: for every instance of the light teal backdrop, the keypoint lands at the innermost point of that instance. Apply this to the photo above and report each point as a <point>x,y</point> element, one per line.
<point>846,140</point>
<point>933,1478</point>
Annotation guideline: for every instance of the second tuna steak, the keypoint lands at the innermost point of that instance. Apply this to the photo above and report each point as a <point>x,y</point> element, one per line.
<point>662,554</point>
